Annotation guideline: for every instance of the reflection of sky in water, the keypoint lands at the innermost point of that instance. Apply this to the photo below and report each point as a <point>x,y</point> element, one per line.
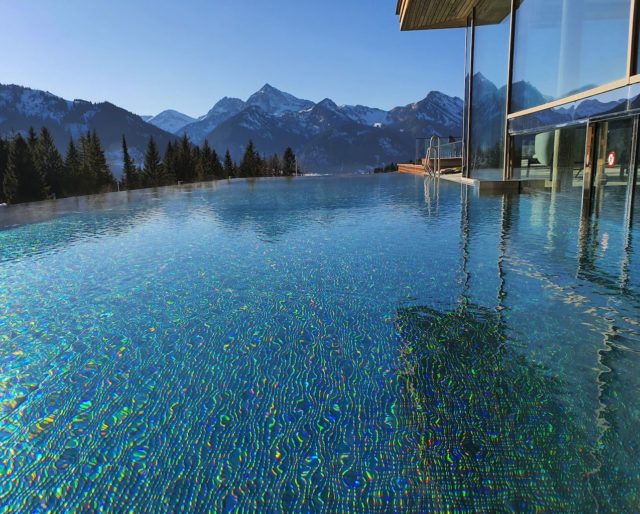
<point>320,344</point>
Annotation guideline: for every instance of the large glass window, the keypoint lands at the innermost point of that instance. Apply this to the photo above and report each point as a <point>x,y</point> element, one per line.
<point>488,111</point>
<point>611,103</point>
<point>555,157</point>
<point>467,89</point>
<point>563,47</point>
<point>635,213</point>
<point>637,63</point>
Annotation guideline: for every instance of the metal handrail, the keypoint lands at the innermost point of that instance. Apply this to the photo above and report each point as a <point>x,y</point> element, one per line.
<point>437,150</point>
<point>432,154</point>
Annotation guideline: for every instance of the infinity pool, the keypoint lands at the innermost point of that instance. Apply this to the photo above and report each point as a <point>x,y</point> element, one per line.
<point>355,344</point>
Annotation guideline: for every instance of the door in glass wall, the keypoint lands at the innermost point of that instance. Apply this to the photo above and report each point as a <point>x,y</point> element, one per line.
<point>609,190</point>
<point>611,174</point>
<point>635,199</point>
<point>634,231</point>
<point>553,156</point>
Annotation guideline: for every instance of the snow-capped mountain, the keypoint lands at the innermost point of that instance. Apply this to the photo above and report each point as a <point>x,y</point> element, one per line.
<point>171,121</point>
<point>332,138</point>
<point>220,112</point>
<point>439,113</point>
<point>366,115</point>
<point>326,137</point>
<point>21,108</point>
<point>277,103</point>
<point>325,115</point>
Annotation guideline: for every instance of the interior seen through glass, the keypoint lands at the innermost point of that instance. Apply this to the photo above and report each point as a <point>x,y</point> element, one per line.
<point>556,156</point>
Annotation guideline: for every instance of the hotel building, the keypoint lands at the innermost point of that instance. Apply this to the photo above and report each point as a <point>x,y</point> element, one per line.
<point>552,94</point>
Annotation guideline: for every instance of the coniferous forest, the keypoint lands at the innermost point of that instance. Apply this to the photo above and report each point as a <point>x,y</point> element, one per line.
<point>32,168</point>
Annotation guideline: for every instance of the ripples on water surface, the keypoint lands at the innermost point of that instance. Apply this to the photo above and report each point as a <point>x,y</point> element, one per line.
<point>355,344</point>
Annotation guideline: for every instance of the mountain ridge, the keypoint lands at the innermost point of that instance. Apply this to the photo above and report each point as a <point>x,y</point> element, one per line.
<point>22,107</point>
<point>274,119</point>
<point>327,137</point>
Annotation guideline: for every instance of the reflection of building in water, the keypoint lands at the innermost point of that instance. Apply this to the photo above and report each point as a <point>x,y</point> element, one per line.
<point>515,415</point>
<point>490,421</point>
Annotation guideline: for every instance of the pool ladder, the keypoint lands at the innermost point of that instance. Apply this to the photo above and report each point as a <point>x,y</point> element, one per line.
<point>432,157</point>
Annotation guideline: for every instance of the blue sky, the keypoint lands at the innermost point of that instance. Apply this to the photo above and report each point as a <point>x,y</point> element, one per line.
<point>147,55</point>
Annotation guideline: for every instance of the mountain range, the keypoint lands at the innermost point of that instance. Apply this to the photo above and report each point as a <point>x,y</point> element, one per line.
<point>327,138</point>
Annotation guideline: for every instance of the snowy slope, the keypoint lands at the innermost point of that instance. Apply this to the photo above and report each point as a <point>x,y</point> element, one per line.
<point>327,137</point>
<point>366,115</point>
<point>332,138</point>
<point>21,108</point>
<point>171,121</point>
<point>219,113</point>
<point>277,103</point>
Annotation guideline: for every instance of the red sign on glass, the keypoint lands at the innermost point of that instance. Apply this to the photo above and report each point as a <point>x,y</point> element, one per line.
<point>611,159</point>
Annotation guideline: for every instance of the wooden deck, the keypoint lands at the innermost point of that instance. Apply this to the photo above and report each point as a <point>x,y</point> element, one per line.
<point>416,169</point>
<point>447,165</point>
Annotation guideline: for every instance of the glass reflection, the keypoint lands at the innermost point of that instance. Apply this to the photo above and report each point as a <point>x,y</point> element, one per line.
<point>612,103</point>
<point>488,110</point>
<point>635,211</point>
<point>565,47</point>
<point>467,90</point>
<point>612,168</point>
<point>555,156</point>
<point>636,196</point>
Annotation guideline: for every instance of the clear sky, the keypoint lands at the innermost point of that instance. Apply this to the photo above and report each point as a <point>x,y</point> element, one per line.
<point>151,55</point>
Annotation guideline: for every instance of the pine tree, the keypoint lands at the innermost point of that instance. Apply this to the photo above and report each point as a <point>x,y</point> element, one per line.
<point>130,177</point>
<point>229,167</point>
<point>206,165</point>
<point>87,182</point>
<point>251,164</point>
<point>170,164</point>
<point>71,184</point>
<point>273,166</point>
<point>10,179</point>
<point>38,188</point>
<point>153,168</point>
<point>49,163</point>
<point>32,141</point>
<point>185,165</point>
<point>216,166</point>
<point>198,164</point>
<point>4,151</point>
<point>22,181</point>
<point>104,178</point>
<point>289,162</point>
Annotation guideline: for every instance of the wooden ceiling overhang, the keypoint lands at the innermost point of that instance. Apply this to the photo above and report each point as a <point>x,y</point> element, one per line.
<point>447,14</point>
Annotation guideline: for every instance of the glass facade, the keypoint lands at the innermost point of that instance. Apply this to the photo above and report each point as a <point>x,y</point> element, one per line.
<point>555,156</point>
<point>467,88</point>
<point>560,48</point>
<point>488,104</point>
<point>614,142</point>
<point>635,184</point>
<point>612,103</point>
<point>636,196</point>
<point>563,47</point>
<point>636,65</point>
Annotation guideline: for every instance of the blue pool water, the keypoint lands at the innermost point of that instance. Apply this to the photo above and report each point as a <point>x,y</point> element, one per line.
<point>355,344</point>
